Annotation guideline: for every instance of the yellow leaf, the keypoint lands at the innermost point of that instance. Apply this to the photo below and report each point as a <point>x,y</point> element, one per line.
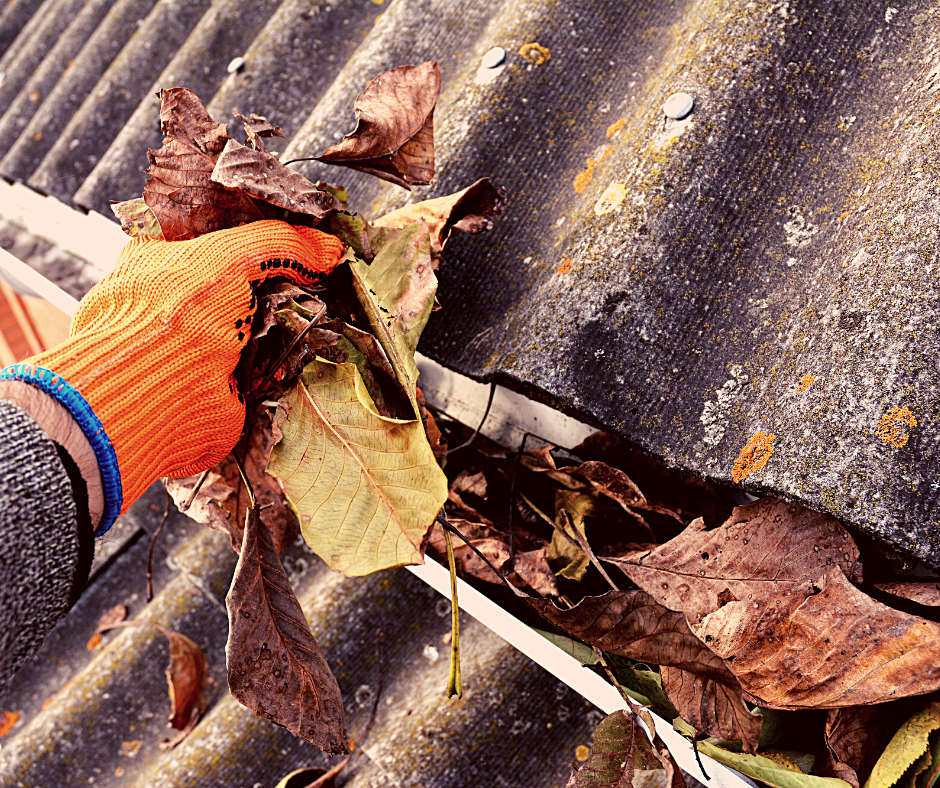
<point>908,745</point>
<point>366,487</point>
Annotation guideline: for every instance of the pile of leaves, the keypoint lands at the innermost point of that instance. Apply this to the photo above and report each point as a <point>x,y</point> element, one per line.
<point>752,628</point>
<point>338,440</point>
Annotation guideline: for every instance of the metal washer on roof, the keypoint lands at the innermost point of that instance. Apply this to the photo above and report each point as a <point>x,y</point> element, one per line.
<point>678,105</point>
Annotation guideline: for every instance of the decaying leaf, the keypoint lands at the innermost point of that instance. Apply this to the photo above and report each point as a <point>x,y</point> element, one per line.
<point>529,569</point>
<point>137,218</point>
<point>824,647</point>
<point>763,550</point>
<point>186,679</point>
<point>472,210</point>
<point>621,749</point>
<point>180,191</point>
<point>394,134</point>
<point>110,618</point>
<point>397,293</point>
<point>697,682</point>
<point>908,753</point>
<point>856,736</point>
<point>776,773</point>
<point>222,500</point>
<point>275,667</point>
<point>564,554</point>
<point>261,175</point>
<point>367,487</point>
<point>257,127</point>
<point>921,593</point>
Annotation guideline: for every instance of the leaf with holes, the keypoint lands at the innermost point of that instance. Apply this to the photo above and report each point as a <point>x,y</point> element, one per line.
<point>397,293</point>
<point>367,487</point>
<point>275,666</point>
<point>180,190</point>
<point>394,135</point>
<point>137,218</point>
<point>764,549</point>
<point>697,682</point>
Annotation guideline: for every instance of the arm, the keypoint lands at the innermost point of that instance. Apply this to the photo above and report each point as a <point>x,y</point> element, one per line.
<point>143,388</point>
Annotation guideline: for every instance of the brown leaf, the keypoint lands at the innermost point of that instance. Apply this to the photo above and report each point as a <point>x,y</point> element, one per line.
<point>180,190</point>
<point>275,667</point>
<point>394,134</point>
<point>921,593</point>
<point>472,210</point>
<point>473,483</point>
<point>838,647</point>
<point>223,499</point>
<point>856,736</point>
<point>622,757</point>
<point>259,174</point>
<point>110,618</point>
<point>698,683</point>
<point>186,679</point>
<point>531,566</point>
<point>764,549</point>
<point>256,127</point>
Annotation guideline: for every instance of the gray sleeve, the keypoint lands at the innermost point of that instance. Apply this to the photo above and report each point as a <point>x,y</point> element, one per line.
<point>40,554</point>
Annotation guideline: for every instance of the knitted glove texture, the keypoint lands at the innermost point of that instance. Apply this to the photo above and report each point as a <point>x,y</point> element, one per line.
<point>154,345</point>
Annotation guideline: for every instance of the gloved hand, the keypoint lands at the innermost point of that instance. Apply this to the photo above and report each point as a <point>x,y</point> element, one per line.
<point>147,371</point>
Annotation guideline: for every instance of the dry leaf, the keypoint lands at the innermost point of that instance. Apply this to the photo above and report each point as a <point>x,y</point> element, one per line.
<point>394,134</point>
<point>621,749</point>
<point>256,127</point>
<point>921,593</point>
<point>186,679</point>
<point>530,568</point>
<point>275,667</point>
<point>180,191</point>
<point>111,618</point>
<point>696,681</point>
<point>764,549</point>
<point>223,500</point>
<point>136,218</point>
<point>824,648</point>
<point>261,175</point>
<point>856,736</point>
<point>472,210</point>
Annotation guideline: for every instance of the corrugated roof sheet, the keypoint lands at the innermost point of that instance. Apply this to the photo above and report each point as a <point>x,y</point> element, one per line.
<point>767,264</point>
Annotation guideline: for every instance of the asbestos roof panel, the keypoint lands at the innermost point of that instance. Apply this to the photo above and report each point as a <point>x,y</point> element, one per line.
<point>757,280</point>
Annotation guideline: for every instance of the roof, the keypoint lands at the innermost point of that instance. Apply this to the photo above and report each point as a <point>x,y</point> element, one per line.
<point>764,266</point>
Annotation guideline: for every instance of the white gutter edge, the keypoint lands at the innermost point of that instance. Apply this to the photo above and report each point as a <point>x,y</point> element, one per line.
<point>511,417</point>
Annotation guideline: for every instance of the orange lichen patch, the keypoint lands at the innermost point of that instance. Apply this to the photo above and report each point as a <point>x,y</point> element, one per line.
<point>565,267</point>
<point>94,642</point>
<point>846,214</point>
<point>806,381</point>
<point>582,752</point>
<point>119,772</point>
<point>605,152</point>
<point>34,96</point>
<point>37,136</point>
<point>583,178</point>
<point>10,718</point>
<point>130,748</point>
<point>753,456</point>
<point>47,703</point>
<point>611,199</point>
<point>535,53</point>
<point>614,128</point>
<point>893,426</point>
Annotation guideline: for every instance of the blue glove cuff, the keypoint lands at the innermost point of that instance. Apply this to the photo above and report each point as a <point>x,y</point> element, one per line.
<point>52,384</point>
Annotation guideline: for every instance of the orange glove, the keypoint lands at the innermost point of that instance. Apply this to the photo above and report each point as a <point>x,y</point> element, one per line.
<point>147,371</point>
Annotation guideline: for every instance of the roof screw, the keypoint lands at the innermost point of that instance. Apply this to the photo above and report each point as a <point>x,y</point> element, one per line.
<point>493,58</point>
<point>236,65</point>
<point>678,105</point>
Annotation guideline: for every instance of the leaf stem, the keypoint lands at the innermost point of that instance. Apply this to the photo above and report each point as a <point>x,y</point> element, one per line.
<point>192,496</point>
<point>441,518</point>
<point>486,413</point>
<point>241,472</point>
<point>453,680</point>
<point>587,549</point>
<point>290,348</point>
<point>153,541</point>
